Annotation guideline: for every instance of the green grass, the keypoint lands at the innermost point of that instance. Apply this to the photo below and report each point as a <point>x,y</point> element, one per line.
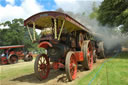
<point>117,71</point>
<point>12,71</point>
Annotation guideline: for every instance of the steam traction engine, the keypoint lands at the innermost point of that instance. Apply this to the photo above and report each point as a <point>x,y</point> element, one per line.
<point>67,42</point>
<point>10,55</point>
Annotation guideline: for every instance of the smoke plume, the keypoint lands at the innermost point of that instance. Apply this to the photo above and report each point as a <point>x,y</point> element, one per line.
<point>112,37</point>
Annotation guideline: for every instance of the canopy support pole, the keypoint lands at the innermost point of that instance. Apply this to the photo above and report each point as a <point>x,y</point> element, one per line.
<point>29,33</point>
<point>55,29</point>
<point>61,29</point>
<point>34,36</point>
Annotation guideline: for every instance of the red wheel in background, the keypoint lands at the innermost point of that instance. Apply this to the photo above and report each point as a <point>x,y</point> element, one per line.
<point>42,66</point>
<point>88,54</point>
<point>13,59</point>
<point>71,66</point>
<point>28,57</point>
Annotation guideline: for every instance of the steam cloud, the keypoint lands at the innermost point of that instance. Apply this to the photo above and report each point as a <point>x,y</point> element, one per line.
<point>112,37</point>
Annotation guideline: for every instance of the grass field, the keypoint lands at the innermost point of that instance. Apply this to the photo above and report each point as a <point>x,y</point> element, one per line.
<point>113,72</point>
<point>117,72</point>
<point>10,71</point>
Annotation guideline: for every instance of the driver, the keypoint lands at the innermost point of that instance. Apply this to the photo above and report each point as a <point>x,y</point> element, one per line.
<point>46,31</point>
<point>46,34</point>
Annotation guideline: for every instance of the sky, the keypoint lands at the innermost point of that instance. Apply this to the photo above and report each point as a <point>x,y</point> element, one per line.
<point>10,9</point>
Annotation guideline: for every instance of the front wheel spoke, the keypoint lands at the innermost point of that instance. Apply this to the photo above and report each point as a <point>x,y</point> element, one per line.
<point>38,65</point>
<point>41,72</point>
<point>44,60</point>
<point>42,66</point>
<point>45,70</point>
<point>39,69</point>
<point>40,61</point>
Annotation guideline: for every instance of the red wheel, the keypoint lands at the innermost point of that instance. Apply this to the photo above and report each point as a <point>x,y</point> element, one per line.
<point>28,57</point>
<point>88,54</point>
<point>13,59</point>
<point>42,66</point>
<point>71,66</point>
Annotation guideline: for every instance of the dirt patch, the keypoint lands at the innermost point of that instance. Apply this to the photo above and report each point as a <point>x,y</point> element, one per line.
<point>56,77</point>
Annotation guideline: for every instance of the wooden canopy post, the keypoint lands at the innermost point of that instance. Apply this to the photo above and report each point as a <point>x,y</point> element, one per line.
<point>55,29</point>
<point>29,33</point>
<point>34,36</point>
<point>61,29</point>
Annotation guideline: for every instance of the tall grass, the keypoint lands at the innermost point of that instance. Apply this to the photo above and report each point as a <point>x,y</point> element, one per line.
<point>113,72</point>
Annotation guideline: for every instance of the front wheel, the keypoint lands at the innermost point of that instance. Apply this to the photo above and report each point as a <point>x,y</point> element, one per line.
<point>42,66</point>
<point>71,66</point>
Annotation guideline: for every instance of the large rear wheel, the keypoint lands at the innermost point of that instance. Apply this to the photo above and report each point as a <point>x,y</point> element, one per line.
<point>88,54</point>
<point>71,66</point>
<point>42,66</point>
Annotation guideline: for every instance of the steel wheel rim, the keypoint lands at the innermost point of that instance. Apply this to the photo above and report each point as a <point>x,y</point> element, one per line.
<point>43,66</point>
<point>73,67</point>
<point>90,55</point>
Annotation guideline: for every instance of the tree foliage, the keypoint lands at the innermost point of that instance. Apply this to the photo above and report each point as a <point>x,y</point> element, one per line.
<point>94,14</point>
<point>15,34</point>
<point>114,13</point>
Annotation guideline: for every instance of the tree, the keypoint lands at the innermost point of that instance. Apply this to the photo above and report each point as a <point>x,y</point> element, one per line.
<point>114,13</point>
<point>16,34</point>
<point>94,14</point>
